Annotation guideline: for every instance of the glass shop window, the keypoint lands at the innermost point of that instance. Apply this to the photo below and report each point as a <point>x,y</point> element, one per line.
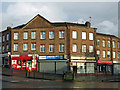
<point>18,62</point>
<point>24,62</point>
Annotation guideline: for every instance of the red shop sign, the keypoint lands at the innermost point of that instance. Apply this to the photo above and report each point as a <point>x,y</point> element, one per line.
<point>104,62</point>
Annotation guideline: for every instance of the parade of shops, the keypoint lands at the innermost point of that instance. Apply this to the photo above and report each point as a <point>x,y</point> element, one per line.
<point>59,47</point>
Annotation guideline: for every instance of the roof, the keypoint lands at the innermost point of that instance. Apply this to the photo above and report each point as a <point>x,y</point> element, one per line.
<point>20,26</point>
<point>107,35</point>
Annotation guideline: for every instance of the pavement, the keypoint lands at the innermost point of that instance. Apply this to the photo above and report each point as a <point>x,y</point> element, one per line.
<point>59,77</point>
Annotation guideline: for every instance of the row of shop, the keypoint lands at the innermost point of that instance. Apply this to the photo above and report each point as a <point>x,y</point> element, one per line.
<point>59,64</point>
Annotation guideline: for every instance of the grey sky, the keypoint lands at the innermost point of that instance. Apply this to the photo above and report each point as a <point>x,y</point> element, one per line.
<point>104,14</point>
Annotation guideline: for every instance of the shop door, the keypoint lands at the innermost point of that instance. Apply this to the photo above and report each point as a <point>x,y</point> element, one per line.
<point>24,65</point>
<point>75,69</point>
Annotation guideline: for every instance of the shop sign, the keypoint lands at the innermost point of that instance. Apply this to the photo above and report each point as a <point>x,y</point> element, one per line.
<point>104,62</point>
<point>116,62</point>
<point>78,60</point>
<point>75,57</point>
<point>82,57</point>
<point>90,57</point>
<point>52,57</point>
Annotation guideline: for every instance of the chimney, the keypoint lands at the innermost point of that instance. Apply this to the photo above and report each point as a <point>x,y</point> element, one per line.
<point>87,24</point>
<point>8,27</point>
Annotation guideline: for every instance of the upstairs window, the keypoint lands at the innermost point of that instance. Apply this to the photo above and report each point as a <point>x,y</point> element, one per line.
<point>42,48</point>
<point>103,43</point>
<point>98,43</point>
<point>113,44</point>
<point>0,48</point>
<point>118,55</point>
<point>16,36</point>
<point>84,35</point>
<point>3,38</point>
<point>51,35</point>
<point>7,36</point>
<point>104,54</point>
<point>113,54</point>
<point>15,47</point>
<point>61,48</point>
<point>118,45</point>
<point>7,47</point>
<point>108,43</point>
<point>61,34</point>
<point>25,47</point>
<point>51,48</point>
<point>33,46</point>
<point>98,53</point>
<point>74,34</point>
<point>3,47</point>
<point>90,49</point>
<point>90,36</point>
<point>83,48</point>
<point>33,35</point>
<point>42,35</point>
<point>74,48</point>
<point>0,39</point>
<point>108,54</point>
<point>25,35</point>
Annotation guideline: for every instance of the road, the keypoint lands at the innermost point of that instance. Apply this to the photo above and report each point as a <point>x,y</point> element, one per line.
<point>21,82</point>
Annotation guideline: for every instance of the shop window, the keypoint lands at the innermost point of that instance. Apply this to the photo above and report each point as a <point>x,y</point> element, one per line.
<point>15,47</point>
<point>90,36</point>
<point>7,36</point>
<point>42,48</point>
<point>113,44</point>
<point>51,48</point>
<point>3,38</point>
<point>61,34</point>
<point>98,53</point>
<point>24,62</point>
<point>16,36</point>
<point>108,54</point>
<point>113,54</point>
<point>108,68</point>
<point>42,35</point>
<point>61,48</point>
<point>98,43</point>
<point>74,34</point>
<point>108,43</point>
<point>18,62</point>
<point>33,35</point>
<point>84,35</point>
<point>74,48</point>
<point>25,35</point>
<point>33,46</point>
<point>103,43</point>
<point>25,47</point>
<point>84,48</point>
<point>51,35</point>
<point>104,54</point>
<point>90,49</point>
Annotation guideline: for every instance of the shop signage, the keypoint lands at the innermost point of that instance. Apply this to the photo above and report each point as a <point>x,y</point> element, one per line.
<point>116,62</point>
<point>90,57</point>
<point>78,60</point>
<point>75,57</point>
<point>104,62</point>
<point>52,57</point>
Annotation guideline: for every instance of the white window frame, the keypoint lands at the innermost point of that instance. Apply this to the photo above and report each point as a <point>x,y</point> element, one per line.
<point>25,36</point>
<point>84,48</point>
<point>113,43</point>
<point>51,35</point>
<point>91,49</point>
<point>15,47</point>
<point>33,46</point>
<point>108,53</point>
<point>98,53</point>
<point>33,35</point>
<point>61,34</point>
<point>51,48</point>
<point>7,36</point>
<point>43,35</point>
<point>104,43</point>
<point>84,37</point>
<point>98,42</point>
<point>16,36</point>
<point>74,34</point>
<point>108,43</point>
<point>42,48</point>
<point>114,54</point>
<point>61,48</point>
<point>90,36</point>
<point>104,54</point>
<point>74,48</point>
<point>25,46</point>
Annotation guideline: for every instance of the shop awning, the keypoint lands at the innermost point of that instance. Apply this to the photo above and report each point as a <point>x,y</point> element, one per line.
<point>104,62</point>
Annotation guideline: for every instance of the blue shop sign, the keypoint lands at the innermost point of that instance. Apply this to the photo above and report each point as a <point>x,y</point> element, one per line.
<point>55,57</point>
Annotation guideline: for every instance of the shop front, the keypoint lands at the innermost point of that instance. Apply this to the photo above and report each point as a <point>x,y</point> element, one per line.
<point>116,67</point>
<point>104,67</point>
<point>80,65</point>
<point>24,62</point>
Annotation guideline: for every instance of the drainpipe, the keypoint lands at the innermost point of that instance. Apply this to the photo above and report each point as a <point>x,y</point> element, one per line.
<point>111,45</point>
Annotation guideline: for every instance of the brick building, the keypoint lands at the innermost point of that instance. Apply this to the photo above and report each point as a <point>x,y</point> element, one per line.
<point>60,43</point>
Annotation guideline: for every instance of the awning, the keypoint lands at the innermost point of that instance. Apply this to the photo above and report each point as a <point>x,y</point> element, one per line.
<point>104,62</point>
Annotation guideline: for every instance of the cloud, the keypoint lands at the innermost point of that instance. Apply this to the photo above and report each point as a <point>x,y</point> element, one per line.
<point>107,27</point>
<point>20,13</point>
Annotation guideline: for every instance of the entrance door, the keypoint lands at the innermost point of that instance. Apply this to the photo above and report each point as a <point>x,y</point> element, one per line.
<point>75,69</point>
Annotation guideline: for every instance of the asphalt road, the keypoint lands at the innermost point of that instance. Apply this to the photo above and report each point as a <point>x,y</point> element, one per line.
<point>21,82</point>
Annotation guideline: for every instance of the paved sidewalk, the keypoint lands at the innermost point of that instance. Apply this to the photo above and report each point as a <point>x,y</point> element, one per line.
<point>38,75</point>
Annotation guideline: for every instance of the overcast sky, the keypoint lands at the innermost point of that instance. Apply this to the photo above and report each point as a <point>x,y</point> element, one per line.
<point>104,14</point>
